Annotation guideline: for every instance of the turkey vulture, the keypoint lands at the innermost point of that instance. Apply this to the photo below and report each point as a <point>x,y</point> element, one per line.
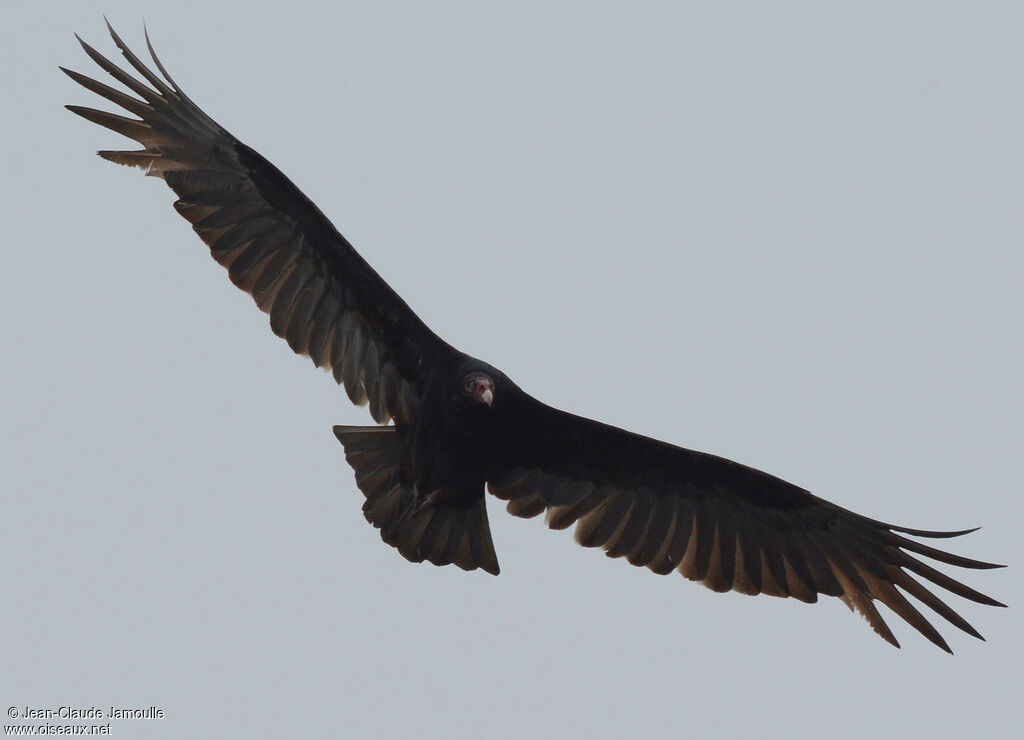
<point>459,425</point>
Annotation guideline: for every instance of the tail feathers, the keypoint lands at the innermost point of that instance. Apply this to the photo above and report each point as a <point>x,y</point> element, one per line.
<point>443,535</point>
<point>433,531</point>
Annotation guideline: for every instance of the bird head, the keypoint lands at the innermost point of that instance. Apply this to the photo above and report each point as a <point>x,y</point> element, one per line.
<point>478,388</point>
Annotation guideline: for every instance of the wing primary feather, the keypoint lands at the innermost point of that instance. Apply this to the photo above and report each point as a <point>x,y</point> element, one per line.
<point>855,596</point>
<point>140,131</point>
<point>934,534</point>
<point>933,602</point>
<point>885,592</point>
<point>170,80</point>
<point>120,75</point>
<point>941,555</point>
<point>943,581</point>
<point>130,104</point>
<point>141,68</point>
<point>154,165</point>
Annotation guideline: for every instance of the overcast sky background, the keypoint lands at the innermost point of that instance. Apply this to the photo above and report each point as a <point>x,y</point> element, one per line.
<point>788,236</point>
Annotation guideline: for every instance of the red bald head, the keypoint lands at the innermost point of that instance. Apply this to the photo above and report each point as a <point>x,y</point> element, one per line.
<point>479,387</point>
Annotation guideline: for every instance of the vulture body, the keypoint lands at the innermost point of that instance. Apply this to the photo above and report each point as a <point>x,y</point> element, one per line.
<point>458,425</point>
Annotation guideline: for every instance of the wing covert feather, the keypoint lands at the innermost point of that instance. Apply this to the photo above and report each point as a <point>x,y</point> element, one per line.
<point>723,524</point>
<point>321,296</point>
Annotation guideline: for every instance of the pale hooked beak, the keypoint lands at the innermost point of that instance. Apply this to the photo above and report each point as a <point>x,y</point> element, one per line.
<point>487,397</point>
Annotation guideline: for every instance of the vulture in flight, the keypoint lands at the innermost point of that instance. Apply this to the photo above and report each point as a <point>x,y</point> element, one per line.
<point>459,426</point>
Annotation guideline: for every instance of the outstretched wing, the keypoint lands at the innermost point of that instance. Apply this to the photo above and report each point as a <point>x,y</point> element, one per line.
<point>715,521</point>
<point>322,297</point>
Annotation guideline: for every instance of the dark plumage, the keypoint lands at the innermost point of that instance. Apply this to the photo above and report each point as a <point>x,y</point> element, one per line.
<point>459,424</point>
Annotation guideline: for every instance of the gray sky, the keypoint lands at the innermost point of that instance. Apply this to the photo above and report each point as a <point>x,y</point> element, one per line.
<point>788,237</point>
